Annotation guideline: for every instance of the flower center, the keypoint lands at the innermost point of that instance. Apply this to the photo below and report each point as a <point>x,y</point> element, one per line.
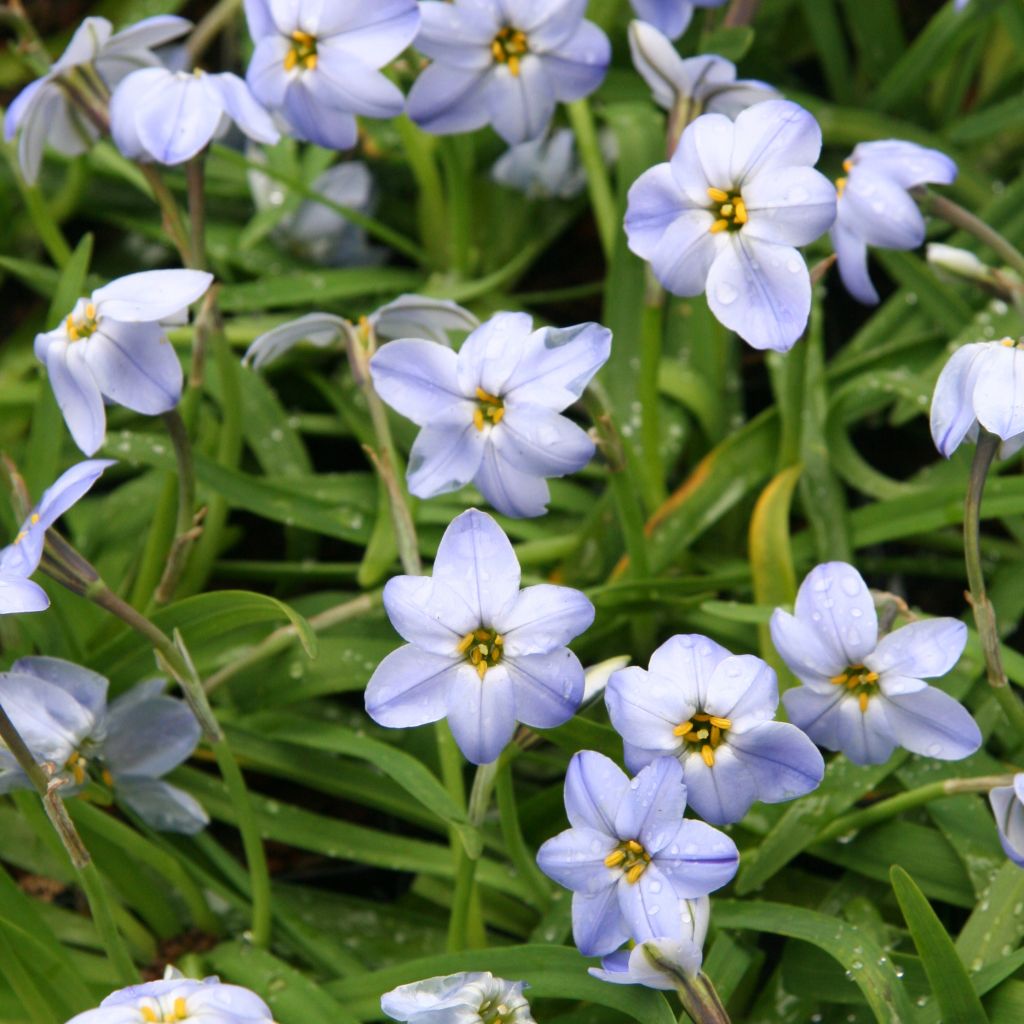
<point>493,1012</point>
<point>482,648</point>
<point>731,213</point>
<point>841,182</point>
<point>631,857</point>
<point>156,1015</point>
<point>508,47</point>
<point>83,326</point>
<point>77,765</point>
<point>859,681</point>
<point>488,408</point>
<point>703,733</point>
<point>303,51</point>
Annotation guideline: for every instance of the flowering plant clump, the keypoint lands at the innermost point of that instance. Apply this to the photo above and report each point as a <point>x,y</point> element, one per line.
<point>496,406</point>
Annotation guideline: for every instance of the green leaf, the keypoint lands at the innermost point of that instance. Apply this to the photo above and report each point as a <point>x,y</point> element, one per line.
<point>947,975</point>
<point>320,288</point>
<point>868,966</point>
<point>733,43</point>
<point>997,922</point>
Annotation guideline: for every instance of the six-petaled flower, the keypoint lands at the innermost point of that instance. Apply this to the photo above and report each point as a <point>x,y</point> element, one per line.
<point>713,711</point>
<point>866,696</point>
<point>481,652</point>
<point>726,213</point>
<point>505,63</point>
<point>630,857</point>
<point>875,207</point>
<point>491,414</point>
<point>112,347</point>
<point>981,387</point>
<point>466,998</point>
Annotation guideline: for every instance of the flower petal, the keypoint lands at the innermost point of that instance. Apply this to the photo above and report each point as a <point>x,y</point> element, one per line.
<point>149,737</point>
<point>548,687</point>
<point>543,618</point>
<point>476,558</point>
<point>999,391</point>
<point>493,352</point>
<point>458,35</point>
<point>68,489</point>
<point>1009,814</point>
<point>541,442</point>
<point>791,206</point>
<point>924,649</point>
<point>575,858</point>
<point>419,379</point>
<point>644,708</point>
<point>135,366</point>
<point>816,713</point>
<point>774,134</point>
<point>577,65</point>
<point>557,364</point>
<point>698,860</point>
<point>520,106</point>
<point>428,613</point>
<point>669,16</point>
<point>654,805</point>
<point>410,687</point>
<point>719,793</point>
<point>683,258</point>
<point>445,456</point>
<point>742,688</point>
<point>650,907</point>
<point>881,212</point>
<point>162,806</point>
<point>510,491</point>
<point>77,394</point>
<point>834,602</point>
<point>447,100</point>
<point>597,923</point>
<point>866,737</point>
<point>690,660</point>
<point>482,712</point>
<point>595,786</point>
<point>419,316</point>
<point>19,595</point>
<point>782,761</point>
<point>266,74</point>
<point>312,117</point>
<point>375,33</point>
<point>86,687</point>
<point>852,257</point>
<point>931,723</point>
<point>760,290</point>
<point>343,81</point>
<point>906,163</point>
<point>952,413</point>
<point>653,203</point>
<point>243,108</point>
<point>151,294</point>
<point>804,651</point>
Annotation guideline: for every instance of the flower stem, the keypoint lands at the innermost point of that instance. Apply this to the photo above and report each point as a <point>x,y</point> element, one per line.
<point>958,217</point>
<point>49,792</point>
<point>195,174</point>
<point>885,809</point>
<point>519,853</point>
<point>984,613</point>
<point>650,359</point>
<point>419,150</point>
<point>173,225</point>
<point>210,26</point>
<point>740,13</point>
<point>185,529</point>
<point>360,345</point>
<point>598,182</point>
<point>458,177</point>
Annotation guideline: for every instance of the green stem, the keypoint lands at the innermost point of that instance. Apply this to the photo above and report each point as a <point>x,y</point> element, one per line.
<point>419,151</point>
<point>518,851</point>
<point>458,179</point>
<point>885,809</point>
<point>49,792</point>
<point>195,174</point>
<point>103,919</point>
<point>174,226</point>
<point>740,13</point>
<point>212,24</point>
<point>652,326</point>
<point>598,182</point>
<point>39,213</point>
<point>958,217</point>
<point>281,639</point>
<point>185,530</point>
<point>700,999</point>
<point>984,613</point>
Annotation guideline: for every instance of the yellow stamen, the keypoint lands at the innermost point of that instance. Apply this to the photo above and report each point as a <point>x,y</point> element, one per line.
<point>863,700</point>
<point>717,195</point>
<point>634,846</point>
<point>148,1014</point>
<point>1008,342</point>
<point>719,225</point>
<point>485,396</point>
<point>180,1009</point>
<point>741,211</point>
<point>839,679</point>
<point>465,643</point>
<point>478,418</point>
<point>709,756</point>
<point>291,58</point>
<point>34,518</point>
<point>722,723</point>
<point>840,187</point>
<point>716,735</point>
<point>682,729</point>
<point>311,61</point>
<point>497,51</point>
<point>21,536</point>
<point>870,677</point>
<point>634,873</point>
<point>71,327</point>
<point>513,66</point>
<point>497,415</point>
<point>692,737</point>
<point>481,669</point>
<point>615,858</point>
<point>847,166</point>
<point>726,209</point>
<point>90,311</point>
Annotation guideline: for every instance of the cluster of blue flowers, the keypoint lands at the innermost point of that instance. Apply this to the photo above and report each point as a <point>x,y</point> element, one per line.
<point>726,215</point>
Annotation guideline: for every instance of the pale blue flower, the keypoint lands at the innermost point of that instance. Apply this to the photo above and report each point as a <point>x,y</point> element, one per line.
<point>316,63</point>
<point>466,998</point>
<point>713,711</point>
<point>630,858</point>
<point>481,652</point>
<point>547,167</point>
<point>43,112</point>
<point>415,315</point>
<point>866,696</point>
<point>112,347</point>
<point>21,557</point>
<point>726,214</point>
<point>670,16</point>
<point>506,63</point>
<point>491,414</point>
<point>182,1000</point>
<point>60,709</point>
<point>638,966</point>
<point>875,207</point>
<point>982,385</point>
<point>695,85</point>
<point>1008,806</point>
<point>171,116</point>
